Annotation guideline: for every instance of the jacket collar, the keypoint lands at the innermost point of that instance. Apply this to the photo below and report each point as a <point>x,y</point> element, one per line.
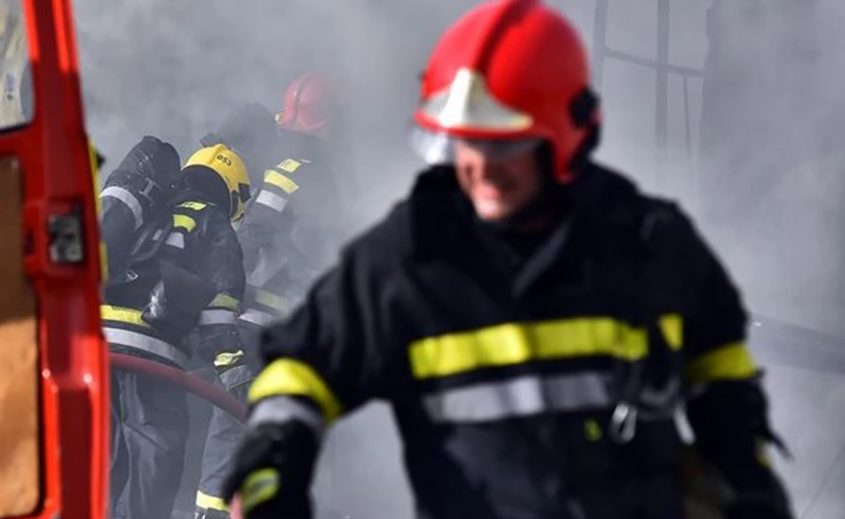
<point>440,216</point>
<point>442,222</point>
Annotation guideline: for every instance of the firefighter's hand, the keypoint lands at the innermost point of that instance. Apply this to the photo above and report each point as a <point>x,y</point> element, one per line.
<point>270,474</point>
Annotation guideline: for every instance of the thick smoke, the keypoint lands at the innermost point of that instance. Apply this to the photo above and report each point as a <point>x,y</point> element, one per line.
<point>753,153</point>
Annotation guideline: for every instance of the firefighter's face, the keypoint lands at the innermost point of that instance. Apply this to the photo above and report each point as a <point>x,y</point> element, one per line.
<point>498,186</point>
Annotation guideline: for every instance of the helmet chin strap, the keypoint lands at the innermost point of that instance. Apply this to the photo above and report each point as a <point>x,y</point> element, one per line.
<point>585,149</point>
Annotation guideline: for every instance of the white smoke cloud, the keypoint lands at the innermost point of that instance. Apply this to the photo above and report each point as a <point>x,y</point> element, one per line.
<point>174,69</point>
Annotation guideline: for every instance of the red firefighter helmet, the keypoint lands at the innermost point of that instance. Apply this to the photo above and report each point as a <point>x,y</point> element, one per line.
<point>508,72</point>
<point>308,105</point>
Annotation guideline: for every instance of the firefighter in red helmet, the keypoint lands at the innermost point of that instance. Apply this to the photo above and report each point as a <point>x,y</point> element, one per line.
<point>294,189</point>
<point>289,162</point>
<point>534,320</point>
<point>309,104</point>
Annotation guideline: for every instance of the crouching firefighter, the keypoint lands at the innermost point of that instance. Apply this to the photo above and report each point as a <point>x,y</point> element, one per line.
<point>183,275</point>
<point>533,319</point>
<point>293,153</point>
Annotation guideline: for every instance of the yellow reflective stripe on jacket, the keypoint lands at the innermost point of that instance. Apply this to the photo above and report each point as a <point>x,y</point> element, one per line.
<point>762,454</point>
<point>181,221</point>
<point>104,261</point>
<point>517,343</point>
<point>194,206</point>
<point>289,377</point>
<point>224,301</point>
<point>122,315</point>
<point>98,207</point>
<point>289,165</point>
<point>672,327</point>
<point>271,300</point>
<point>227,358</point>
<point>730,362</point>
<point>274,178</point>
<point>210,502</point>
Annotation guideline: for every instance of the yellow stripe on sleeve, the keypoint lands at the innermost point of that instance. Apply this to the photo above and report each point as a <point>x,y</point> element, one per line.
<point>730,362</point>
<point>290,377</point>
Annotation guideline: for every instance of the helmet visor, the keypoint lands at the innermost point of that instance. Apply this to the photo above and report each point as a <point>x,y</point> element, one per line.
<point>439,147</point>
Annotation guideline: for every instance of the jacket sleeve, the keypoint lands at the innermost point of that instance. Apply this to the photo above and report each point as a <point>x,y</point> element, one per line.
<point>322,362</point>
<point>220,262</point>
<point>327,358</point>
<point>726,404</point>
<point>269,220</point>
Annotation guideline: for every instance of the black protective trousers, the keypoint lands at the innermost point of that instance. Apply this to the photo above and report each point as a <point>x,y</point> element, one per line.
<point>149,428</point>
<point>224,435</point>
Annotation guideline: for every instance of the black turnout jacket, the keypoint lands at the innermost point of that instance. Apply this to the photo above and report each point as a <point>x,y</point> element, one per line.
<point>533,386</point>
<point>188,277</point>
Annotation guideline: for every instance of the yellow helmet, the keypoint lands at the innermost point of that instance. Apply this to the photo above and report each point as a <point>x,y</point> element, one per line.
<point>231,169</point>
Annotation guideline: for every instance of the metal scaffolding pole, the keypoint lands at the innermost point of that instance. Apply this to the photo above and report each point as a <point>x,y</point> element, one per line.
<point>661,66</point>
<point>599,42</point>
<point>661,126</point>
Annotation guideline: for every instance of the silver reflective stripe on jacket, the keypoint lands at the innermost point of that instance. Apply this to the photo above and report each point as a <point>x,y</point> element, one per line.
<point>146,343</point>
<point>282,409</point>
<point>258,318</point>
<point>129,200</point>
<point>176,239</point>
<point>271,200</point>
<point>217,316</point>
<point>524,396</point>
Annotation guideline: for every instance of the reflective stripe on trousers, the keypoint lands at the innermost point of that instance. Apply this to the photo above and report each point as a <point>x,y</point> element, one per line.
<point>145,343</point>
<point>208,502</point>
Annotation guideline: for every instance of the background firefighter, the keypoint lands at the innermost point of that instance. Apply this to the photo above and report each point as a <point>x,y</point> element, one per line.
<point>289,162</point>
<point>532,318</point>
<point>183,275</point>
<point>282,233</point>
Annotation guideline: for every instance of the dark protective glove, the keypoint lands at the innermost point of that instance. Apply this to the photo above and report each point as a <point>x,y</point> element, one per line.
<point>251,132</point>
<point>272,471</point>
<point>756,508</point>
<point>730,423</point>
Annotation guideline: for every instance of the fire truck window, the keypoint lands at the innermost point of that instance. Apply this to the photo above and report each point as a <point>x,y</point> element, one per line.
<point>20,485</point>
<point>16,101</point>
